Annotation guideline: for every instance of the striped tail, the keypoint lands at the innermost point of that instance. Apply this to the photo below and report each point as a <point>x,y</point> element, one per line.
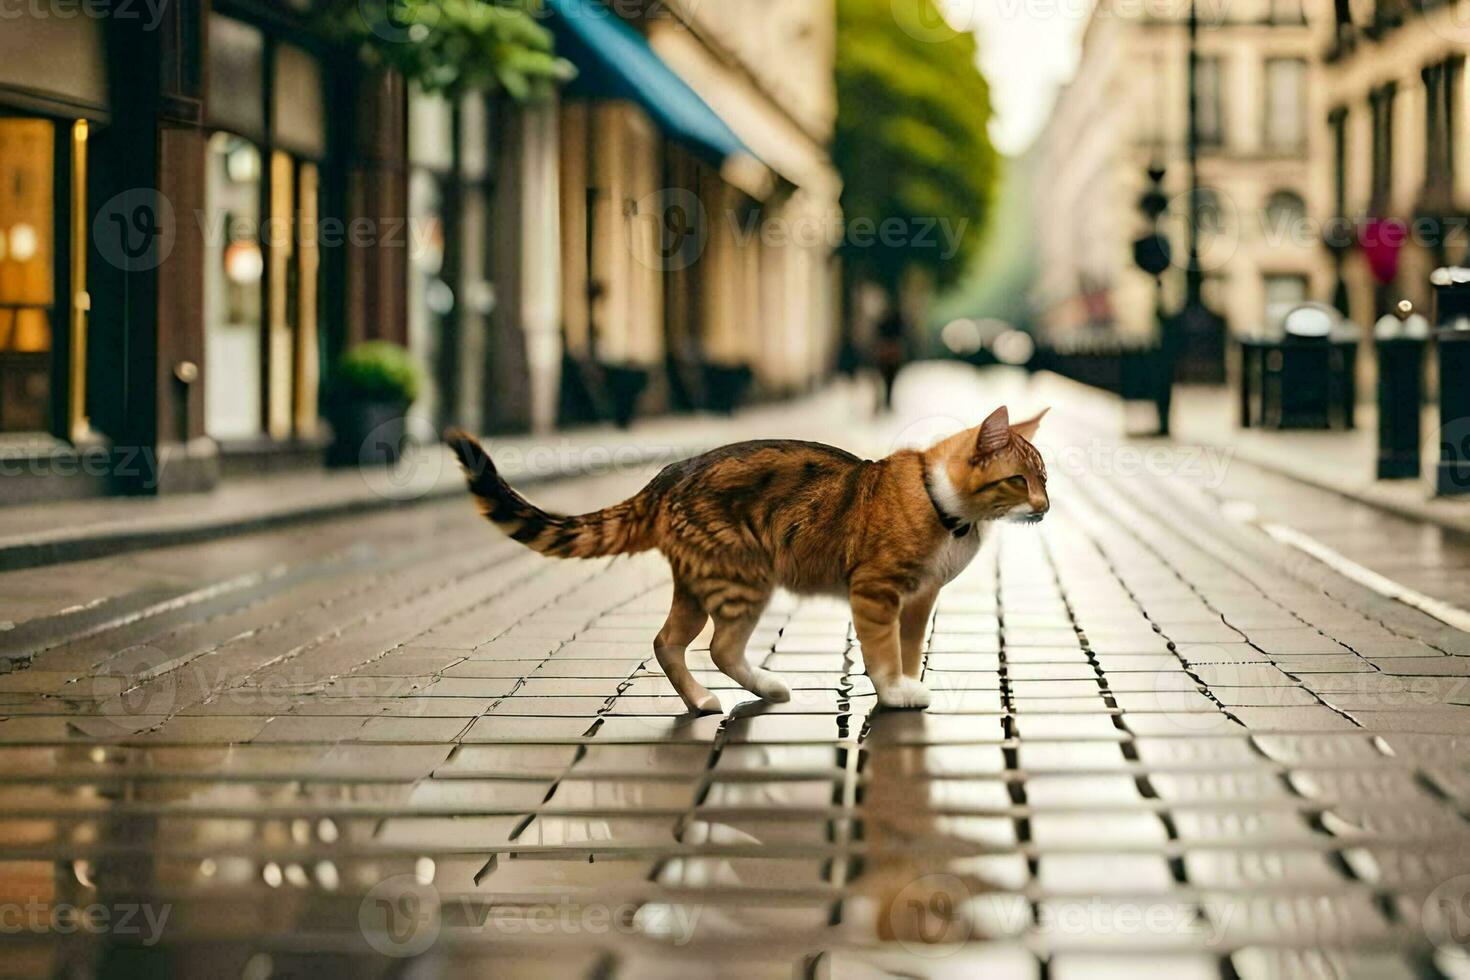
<point>617,530</point>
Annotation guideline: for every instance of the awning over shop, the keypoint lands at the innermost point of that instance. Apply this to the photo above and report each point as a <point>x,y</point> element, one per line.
<point>615,62</point>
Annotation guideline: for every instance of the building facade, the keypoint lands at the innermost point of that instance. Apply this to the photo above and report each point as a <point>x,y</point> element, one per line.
<point>174,275</point>
<point>1262,196</point>
<point>199,215</point>
<point>682,275</point>
<point>1395,124</point>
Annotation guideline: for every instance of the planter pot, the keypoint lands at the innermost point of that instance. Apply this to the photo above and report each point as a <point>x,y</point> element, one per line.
<point>624,385</point>
<point>367,433</point>
<point>726,385</point>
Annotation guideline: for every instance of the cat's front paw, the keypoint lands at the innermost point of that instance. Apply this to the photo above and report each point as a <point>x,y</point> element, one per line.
<point>905,692</point>
<point>770,687</point>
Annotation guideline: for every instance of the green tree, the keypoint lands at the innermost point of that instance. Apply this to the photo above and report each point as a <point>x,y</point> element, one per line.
<point>910,141</point>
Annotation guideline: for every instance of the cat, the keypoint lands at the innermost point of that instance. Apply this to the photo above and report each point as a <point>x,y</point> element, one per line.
<point>736,522</point>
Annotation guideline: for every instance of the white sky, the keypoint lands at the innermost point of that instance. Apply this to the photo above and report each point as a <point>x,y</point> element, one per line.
<point>1028,49</point>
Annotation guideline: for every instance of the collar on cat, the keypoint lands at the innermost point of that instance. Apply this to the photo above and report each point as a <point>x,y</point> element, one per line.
<point>951,523</point>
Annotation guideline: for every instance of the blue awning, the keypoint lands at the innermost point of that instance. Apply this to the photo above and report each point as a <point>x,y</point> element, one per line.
<point>615,62</point>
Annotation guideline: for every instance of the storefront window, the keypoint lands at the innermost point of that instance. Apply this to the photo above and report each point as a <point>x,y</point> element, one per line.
<point>430,296</point>
<point>262,336</point>
<point>233,270</point>
<point>430,299</point>
<point>27,273</point>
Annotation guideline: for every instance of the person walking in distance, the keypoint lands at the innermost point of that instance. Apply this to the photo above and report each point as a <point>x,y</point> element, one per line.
<point>890,352</point>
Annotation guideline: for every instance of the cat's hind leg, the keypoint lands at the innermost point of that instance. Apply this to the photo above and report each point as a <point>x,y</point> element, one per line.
<point>734,622</point>
<point>686,618</point>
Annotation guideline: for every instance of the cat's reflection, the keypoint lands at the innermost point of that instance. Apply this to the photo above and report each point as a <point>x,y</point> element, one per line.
<point>919,885</point>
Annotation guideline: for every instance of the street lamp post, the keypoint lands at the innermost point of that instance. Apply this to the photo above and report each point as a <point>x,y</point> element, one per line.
<point>1200,331</point>
<point>1193,275</point>
<point>1151,254</point>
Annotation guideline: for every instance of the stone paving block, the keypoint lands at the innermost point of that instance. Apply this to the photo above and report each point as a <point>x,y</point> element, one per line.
<point>473,761</point>
<point>816,760</point>
<point>1220,653</point>
<point>1047,790</point>
<point>965,702</point>
<point>1097,830</point>
<point>1440,721</point>
<point>681,728</point>
<point>1264,697</point>
<point>961,680</point>
<point>1204,750</point>
<point>1274,963</point>
<point>473,793</point>
<point>1303,920</point>
<point>1441,666</point>
<point>413,707</point>
<point>1265,826</point>
<point>1236,787</point>
<point>317,728</point>
<point>774,794</point>
<point>939,760</point>
<point>1295,642</point>
<point>1104,874</point>
<point>613,794</point>
<point>987,664</point>
<point>508,728</point>
<point>563,707</point>
<point>1293,719</point>
<point>1312,666</point>
<point>1042,756</point>
<point>1171,701</point>
<point>1068,726</point>
<point>1369,822</point>
<point>1183,724</point>
<point>1264,867</point>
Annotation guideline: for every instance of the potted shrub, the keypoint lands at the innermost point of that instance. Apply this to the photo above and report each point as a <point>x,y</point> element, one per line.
<point>368,398</point>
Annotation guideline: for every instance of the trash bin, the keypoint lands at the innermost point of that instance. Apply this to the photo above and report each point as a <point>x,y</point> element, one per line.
<point>1399,342</point>
<point>1303,378</point>
<point>1452,345</point>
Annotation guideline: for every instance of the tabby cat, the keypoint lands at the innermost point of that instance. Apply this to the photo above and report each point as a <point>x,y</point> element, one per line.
<point>737,522</point>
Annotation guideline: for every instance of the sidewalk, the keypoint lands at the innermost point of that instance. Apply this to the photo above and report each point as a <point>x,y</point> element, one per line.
<point>1342,462</point>
<point>40,534</point>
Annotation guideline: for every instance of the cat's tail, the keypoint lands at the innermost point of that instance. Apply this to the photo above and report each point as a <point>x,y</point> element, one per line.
<point>621,529</point>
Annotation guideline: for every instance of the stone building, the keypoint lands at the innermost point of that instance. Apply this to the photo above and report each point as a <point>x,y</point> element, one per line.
<point>199,215</point>
<point>1261,157</point>
<point>1394,123</point>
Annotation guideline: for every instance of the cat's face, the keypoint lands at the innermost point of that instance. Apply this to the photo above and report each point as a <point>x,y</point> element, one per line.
<point>1002,476</point>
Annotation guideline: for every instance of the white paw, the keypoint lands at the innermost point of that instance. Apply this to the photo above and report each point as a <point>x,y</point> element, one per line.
<point>906,692</point>
<point>770,687</point>
<point>707,705</point>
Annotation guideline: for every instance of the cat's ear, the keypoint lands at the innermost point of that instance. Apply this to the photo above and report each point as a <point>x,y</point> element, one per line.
<point>995,432</point>
<point>1027,429</point>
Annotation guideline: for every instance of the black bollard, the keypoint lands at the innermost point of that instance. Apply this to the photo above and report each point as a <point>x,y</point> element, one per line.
<point>1400,397</point>
<point>1452,342</point>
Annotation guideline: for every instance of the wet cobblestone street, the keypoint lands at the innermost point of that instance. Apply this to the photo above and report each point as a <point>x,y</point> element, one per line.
<point>1161,744</point>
